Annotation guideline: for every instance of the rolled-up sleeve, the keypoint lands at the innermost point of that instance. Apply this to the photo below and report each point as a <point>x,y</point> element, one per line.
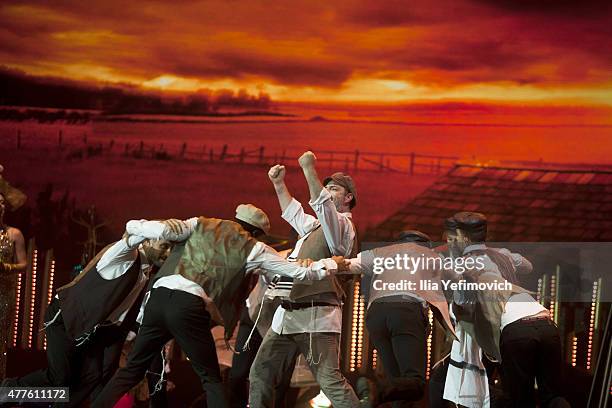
<point>337,227</point>
<point>301,222</point>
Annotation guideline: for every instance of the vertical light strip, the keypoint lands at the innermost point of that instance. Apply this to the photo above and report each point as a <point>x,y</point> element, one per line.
<point>352,365</point>
<point>598,304</point>
<point>374,359</point>
<point>17,306</point>
<point>539,297</point>
<point>574,350</point>
<point>557,284</point>
<point>33,298</point>
<point>49,294</point>
<point>429,340</point>
<point>553,297</point>
<point>360,352</point>
<point>594,298</point>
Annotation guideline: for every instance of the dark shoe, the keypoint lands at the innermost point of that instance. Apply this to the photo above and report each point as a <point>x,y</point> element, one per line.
<point>366,392</point>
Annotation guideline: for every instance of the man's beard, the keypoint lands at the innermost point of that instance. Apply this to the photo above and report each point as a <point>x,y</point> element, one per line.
<point>455,251</point>
<point>337,203</point>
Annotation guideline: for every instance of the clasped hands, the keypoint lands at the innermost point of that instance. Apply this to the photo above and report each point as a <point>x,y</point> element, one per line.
<point>343,264</point>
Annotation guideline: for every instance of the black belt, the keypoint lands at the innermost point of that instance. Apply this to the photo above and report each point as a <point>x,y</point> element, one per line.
<point>535,318</point>
<point>288,305</point>
<point>468,366</point>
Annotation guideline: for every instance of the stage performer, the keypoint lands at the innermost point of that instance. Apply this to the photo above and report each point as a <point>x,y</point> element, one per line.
<point>509,325</point>
<point>209,272</point>
<point>12,262</point>
<point>309,320</point>
<point>102,301</point>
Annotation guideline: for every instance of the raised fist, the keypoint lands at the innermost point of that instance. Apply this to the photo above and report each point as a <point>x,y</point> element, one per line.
<point>276,174</point>
<point>307,159</point>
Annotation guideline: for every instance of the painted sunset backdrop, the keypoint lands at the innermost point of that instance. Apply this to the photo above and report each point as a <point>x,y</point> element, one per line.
<point>478,80</point>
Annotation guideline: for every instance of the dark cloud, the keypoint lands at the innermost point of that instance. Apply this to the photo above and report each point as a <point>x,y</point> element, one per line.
<point>298,43</point>
<point>571,9</point>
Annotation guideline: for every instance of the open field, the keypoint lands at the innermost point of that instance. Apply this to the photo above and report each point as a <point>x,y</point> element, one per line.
<point>123,187</point>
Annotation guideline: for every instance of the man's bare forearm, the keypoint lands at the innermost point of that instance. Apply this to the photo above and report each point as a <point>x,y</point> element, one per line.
<point>314,184</point>
<point>283,195</point>
<point>307,163</point>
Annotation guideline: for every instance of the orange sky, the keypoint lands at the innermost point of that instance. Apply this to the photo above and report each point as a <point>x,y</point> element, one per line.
<point>531,52</point>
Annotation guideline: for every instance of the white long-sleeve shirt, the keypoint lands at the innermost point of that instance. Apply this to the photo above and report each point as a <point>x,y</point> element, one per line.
<point>262,258</point>
<point>119,258</point>
<point>339,233</point>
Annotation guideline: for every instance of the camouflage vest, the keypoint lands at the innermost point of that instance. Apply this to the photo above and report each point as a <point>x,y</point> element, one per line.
<point>215,257</point>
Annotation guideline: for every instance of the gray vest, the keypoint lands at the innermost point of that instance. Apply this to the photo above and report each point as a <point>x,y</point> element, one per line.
<point>327,290</point>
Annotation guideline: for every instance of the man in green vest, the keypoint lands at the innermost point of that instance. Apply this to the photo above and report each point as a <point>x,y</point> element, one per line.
<point>309,320</point>
<point>207,270</point>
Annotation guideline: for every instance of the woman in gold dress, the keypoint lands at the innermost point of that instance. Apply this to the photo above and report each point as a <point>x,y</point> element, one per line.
<point>12,262</point>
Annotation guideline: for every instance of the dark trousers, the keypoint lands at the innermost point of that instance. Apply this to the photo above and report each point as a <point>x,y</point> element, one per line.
<point>157,398</point>
<point>531,350</point>
<point>101,362</point>
<point>241,365</point>
<point>168,314</point>
<point>436,385</point>
<point>399,332</point>
<point>63,357</point>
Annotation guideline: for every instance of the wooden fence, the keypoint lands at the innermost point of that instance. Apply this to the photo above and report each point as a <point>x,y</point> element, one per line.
<point>81,147</point>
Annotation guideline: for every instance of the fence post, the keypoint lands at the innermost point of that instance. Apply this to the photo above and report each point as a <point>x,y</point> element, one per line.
<point>183,149</point>
<point>242,153</point>
<point>356,163</point>
<point>412,157</point>
<point>261,154</point>
<point>223,152</point>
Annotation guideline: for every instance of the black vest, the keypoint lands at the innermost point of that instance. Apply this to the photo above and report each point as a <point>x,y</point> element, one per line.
<point>92,298</point>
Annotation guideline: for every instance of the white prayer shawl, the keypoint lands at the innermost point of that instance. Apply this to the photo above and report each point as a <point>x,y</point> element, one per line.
<point>466,380</point>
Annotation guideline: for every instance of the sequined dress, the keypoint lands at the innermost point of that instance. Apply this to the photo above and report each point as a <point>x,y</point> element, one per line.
<point>8,283</point>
